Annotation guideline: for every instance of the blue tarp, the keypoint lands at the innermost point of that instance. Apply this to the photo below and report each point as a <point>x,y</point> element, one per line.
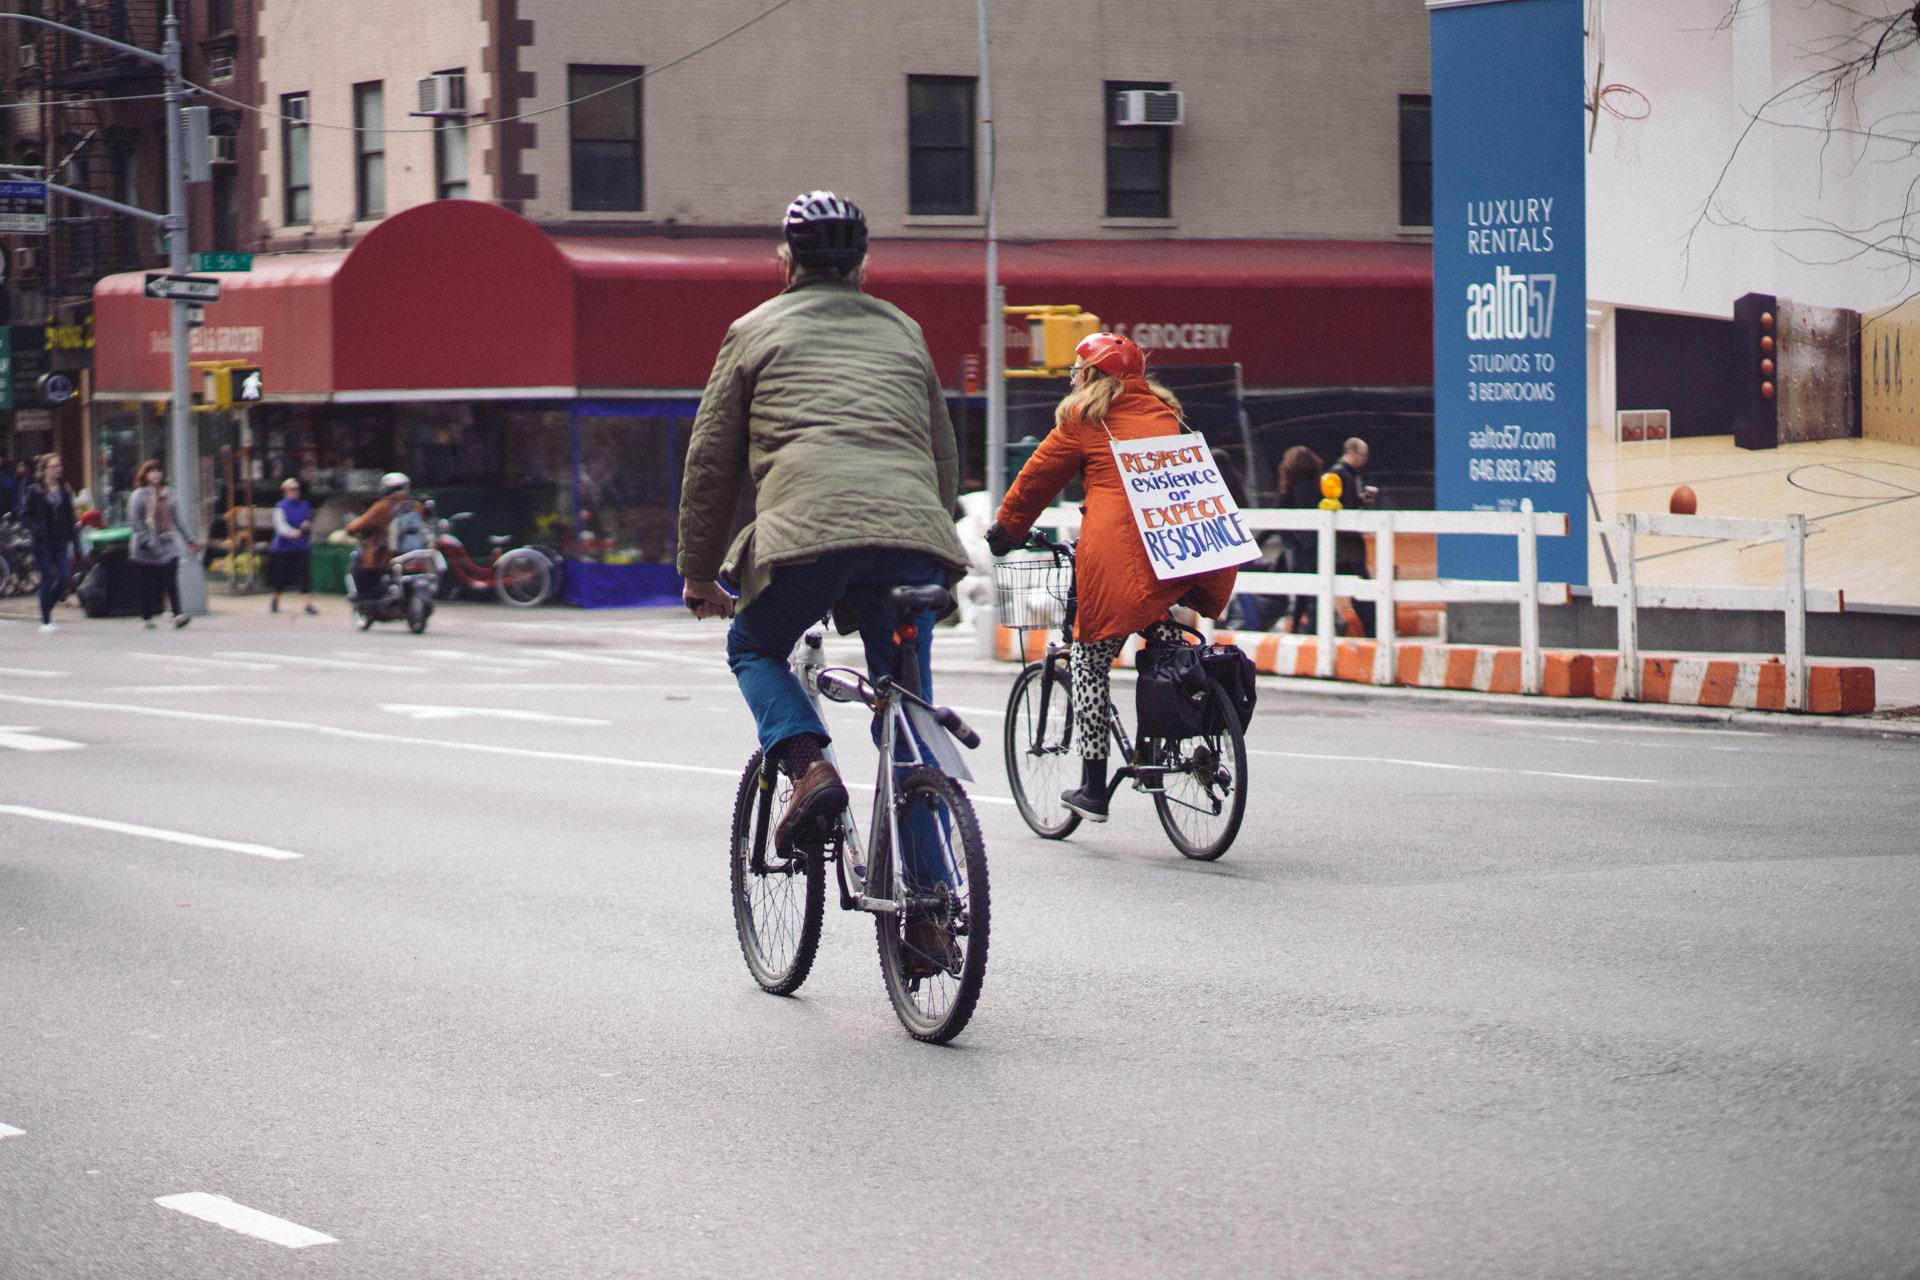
<point>593,585</point>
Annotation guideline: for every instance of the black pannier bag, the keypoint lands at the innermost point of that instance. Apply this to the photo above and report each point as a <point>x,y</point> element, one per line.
<point>1233,671</point>
<point>1171,695</point>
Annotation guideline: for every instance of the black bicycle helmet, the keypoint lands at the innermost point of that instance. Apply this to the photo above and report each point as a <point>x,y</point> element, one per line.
<point>824,230</point>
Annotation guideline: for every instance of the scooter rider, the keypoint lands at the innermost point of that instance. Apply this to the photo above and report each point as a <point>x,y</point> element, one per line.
<point>829,399</point>
<point>371,527</point>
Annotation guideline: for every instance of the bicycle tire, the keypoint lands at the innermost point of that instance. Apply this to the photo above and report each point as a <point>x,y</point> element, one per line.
<point>935,1008</point>
<point>1040,755</point>
<point>523,578</point>
<point>1203,795</point>
<point>779,929</point>
<point>418,611</point>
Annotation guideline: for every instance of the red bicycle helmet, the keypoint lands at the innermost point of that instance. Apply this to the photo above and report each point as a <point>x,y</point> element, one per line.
<point>1112,353</point>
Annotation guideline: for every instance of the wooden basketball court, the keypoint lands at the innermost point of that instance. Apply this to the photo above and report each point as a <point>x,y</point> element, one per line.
<point>1861,498</point>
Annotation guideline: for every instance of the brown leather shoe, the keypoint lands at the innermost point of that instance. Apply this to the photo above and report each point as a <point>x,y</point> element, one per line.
<point>928,949</point>
<point>819,798</point>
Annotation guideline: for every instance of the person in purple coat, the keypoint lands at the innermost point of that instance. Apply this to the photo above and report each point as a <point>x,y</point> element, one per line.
<point>290,558</point>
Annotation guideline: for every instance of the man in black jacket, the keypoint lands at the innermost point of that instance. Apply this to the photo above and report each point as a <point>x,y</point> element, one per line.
<point>1350,549</point>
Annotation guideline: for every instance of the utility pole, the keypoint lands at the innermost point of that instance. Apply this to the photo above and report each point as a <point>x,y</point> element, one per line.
<point>183,455</point>
<point>996,297</point>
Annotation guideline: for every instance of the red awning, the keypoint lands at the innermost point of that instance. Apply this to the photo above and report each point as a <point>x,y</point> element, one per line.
<point>461,300</point>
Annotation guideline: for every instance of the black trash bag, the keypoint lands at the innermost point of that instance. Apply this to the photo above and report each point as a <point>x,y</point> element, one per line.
<point>1170,697</point>
<point>93,592</point>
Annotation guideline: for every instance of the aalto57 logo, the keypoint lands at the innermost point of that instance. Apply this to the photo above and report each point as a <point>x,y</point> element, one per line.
<point>1511,307</point>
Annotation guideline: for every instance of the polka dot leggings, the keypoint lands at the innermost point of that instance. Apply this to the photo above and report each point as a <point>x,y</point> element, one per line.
<point>1093,685</point>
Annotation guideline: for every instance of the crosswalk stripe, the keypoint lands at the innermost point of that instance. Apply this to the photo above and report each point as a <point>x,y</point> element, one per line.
<point>223,1212</point>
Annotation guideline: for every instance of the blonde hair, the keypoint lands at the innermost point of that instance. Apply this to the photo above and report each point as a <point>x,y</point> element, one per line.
<point>1090,401</point>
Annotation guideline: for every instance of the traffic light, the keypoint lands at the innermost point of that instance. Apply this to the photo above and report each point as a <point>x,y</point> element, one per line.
<point>1055,338</point>
<point>246,385</point>
<point>224,385</point>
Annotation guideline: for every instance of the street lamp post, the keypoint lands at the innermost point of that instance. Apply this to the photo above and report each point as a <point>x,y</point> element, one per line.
<point>996,298</point>
<point>183,456</point>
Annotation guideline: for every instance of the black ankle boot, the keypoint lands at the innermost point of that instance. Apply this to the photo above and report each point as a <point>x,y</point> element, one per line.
<point>1090,800</point>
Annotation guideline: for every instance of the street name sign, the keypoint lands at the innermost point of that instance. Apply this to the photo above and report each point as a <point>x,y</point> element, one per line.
<point>223,262</point>
<point>23,208</point>
<point>182,288</point>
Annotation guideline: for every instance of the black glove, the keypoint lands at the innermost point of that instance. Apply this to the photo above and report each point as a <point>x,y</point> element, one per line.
<point>999,541</point>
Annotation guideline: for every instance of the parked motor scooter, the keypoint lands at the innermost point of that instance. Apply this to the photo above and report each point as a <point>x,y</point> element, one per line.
<point>408,581</point>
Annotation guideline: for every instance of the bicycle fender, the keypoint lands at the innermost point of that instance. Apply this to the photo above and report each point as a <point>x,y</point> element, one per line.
<point>933,737</point>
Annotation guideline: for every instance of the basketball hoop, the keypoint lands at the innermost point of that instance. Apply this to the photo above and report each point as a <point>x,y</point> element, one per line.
<point>1629,108</point>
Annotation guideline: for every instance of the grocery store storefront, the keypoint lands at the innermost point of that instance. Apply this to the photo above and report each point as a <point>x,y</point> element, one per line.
<point>550,382</point>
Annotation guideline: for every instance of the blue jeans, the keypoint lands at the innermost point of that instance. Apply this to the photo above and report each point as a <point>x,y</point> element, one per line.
<point>764,633</point>
<point>56,571</point>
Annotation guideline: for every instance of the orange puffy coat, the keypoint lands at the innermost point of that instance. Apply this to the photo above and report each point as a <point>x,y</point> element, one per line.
<point>1119,593</point>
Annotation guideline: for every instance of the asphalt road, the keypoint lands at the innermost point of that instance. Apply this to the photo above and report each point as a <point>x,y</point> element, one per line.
<point>1477,993</point>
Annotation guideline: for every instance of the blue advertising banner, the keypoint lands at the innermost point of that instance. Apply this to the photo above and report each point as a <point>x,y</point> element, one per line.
<point>1510,276</point>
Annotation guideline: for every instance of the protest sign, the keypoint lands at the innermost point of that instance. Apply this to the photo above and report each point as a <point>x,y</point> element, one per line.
<point>1187,519</point>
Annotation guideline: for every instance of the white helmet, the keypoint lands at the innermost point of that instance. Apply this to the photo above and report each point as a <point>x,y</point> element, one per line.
<point>394,482</point>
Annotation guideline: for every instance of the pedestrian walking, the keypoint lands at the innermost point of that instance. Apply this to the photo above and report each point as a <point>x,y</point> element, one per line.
<point>53,531</point>
<point>1299,478</point>
<point>1350,549</point>
<point>155,547</point>
<point>1110,398</point>
<point>290,557</point>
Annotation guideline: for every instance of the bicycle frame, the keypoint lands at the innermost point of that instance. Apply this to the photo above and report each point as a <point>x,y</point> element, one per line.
<point>867,881</point>
<point>1145,777</point>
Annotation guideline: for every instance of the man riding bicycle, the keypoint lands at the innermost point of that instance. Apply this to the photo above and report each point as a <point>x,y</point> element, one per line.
<point>828,398</point>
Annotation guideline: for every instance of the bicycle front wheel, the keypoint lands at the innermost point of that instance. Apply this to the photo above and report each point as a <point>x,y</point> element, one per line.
<point>523,578</point>
<point>1203,791</point>
<point>1042,761</point>
<point>777,902</point>
<point>933,946</point>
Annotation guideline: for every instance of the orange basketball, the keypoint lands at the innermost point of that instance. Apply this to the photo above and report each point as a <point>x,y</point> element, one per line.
<point>1683,503</point>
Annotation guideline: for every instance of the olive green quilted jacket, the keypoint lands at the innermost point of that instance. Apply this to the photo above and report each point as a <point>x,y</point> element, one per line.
<point>827,398</point>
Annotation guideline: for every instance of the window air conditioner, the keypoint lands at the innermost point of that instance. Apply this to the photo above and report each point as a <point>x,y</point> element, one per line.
<point>226,148</point>
<point>29,55</point>
<point>443,95</point>
<point>26,258</point>
<point>1150,106</point>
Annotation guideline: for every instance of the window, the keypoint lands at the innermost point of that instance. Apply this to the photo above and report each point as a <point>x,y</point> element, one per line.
<point>604,132</point>
<point>940,132</point>
<point>450,142</point>
<point>370,141</point>
<point>450,158</point>
<point>219,17</point>
<point>220,67</point>
<point>1139,160</point>
<point>296,161</point>
<point>1416,160</point>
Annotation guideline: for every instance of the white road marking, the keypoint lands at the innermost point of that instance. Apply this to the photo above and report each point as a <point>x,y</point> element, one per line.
<point>598,659</point>
<point>1589,725</point>
<point>329,664</point>
<point>461,655</point>
<point>364,735</point>
<point>149,833</point>
<point>1462,768</point>
<point>20,738</point>
<point>190,688</point>
<point>8,1131</point>
<point>28,671</point>
<point>421,711</point>
<point>184,660</point>
<point>223,1212</point>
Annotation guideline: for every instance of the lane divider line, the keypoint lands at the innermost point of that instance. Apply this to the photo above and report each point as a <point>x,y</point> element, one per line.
<point>148,833</point>
<point>223,1212</point>
<point>8,1131</point>
<point>27,671</point>
<point>365,735</point>
<point>324,664</point>
<point>1462,768</point>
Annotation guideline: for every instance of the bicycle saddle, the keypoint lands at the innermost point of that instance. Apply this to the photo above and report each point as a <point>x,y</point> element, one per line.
<point>914,599</point>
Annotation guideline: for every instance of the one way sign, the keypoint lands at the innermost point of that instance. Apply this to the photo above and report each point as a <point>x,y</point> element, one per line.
<point>182,288</point>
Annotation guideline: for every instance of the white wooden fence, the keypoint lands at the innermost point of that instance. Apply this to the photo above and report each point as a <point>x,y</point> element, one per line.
<point>1793,598</point>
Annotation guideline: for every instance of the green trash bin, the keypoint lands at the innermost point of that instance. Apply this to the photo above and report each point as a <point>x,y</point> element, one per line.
<point>330,563</point>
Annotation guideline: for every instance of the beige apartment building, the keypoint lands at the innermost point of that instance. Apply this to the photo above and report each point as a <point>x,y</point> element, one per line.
<point>1293,115</point>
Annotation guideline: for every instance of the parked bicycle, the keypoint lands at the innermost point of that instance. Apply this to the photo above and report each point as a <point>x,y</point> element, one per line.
<point>920,869</point>
<point>18,574</point>
<point>1198,782</point>
<point>523,577</point>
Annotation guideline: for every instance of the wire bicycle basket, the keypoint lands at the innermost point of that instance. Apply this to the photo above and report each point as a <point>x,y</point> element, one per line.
<point>1030,593</point>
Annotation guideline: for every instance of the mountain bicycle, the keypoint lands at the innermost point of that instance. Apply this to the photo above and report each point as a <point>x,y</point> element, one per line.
<point>1198,783</point>
<point>920,869</point>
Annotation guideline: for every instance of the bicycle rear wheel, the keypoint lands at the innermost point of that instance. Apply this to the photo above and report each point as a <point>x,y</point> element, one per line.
<point>777,902</point>
<point>1041,758</point>
<point>941,890</point>
<point>1203,793</point>
<point>523,578</point>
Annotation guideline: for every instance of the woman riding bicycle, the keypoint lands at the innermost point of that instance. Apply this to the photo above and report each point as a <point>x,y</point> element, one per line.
<point>1111,399</point>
